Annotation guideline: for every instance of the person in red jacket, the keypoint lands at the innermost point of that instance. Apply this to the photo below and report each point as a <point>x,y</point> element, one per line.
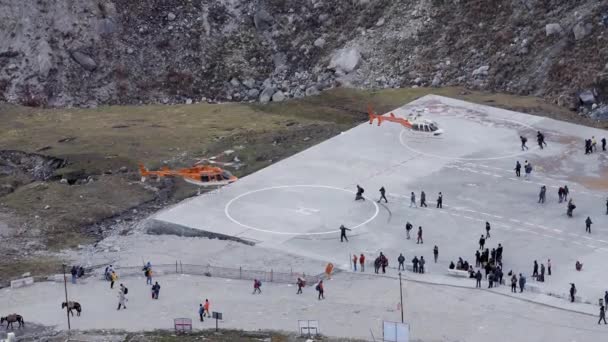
<point>362,262</point>
<point>355,262</point>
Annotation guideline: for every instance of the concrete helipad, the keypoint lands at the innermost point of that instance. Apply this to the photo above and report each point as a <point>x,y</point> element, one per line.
<point>298,204</point>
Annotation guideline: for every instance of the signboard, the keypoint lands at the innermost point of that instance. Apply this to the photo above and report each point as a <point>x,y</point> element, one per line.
<point>216,315</point>
<point>395,332</point>
<point>308,328</point>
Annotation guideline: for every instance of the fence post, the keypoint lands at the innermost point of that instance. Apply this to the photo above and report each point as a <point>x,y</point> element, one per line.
<point>240,272</point>
<point>175,266</point>
<point>271,275</point>
<point>181,268</point>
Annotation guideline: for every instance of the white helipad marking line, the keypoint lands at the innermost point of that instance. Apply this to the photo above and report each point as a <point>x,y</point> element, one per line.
<point>529,224</point>
<point>468,217</point>
<point>549,236</point>
<point>480,220</point>
<point>591,246</point>
<point>604,241</point>
<point>443,212</point>
<point>572,234</point>
<point>227,208</point>
<point>513,179</point>
<point>457,215</point>
<point>498,176</point>
<point>521,229</point>
<point>514,220</point>
<point>486,214</point>
<point>586,237</point>
<point>557,231</point>
<point>498,217</point>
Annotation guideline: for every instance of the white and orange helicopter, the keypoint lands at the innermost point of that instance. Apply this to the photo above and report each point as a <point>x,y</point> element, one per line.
<point>200,175</point>
<point>416,124</point>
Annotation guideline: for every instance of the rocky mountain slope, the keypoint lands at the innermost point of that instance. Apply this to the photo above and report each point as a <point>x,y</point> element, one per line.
<point>91,52</point>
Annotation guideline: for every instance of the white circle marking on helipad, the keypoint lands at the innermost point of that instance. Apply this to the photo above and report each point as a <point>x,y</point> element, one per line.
<point>227,209</point>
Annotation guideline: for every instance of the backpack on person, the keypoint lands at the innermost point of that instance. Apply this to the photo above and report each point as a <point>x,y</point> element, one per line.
<point>126,290</point>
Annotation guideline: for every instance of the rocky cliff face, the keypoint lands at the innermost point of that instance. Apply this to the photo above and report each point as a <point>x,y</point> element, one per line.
<point>91,52</point>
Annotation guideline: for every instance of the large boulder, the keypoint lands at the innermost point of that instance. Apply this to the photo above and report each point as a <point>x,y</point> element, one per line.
<point>581,30</point>
<point>278,97</point>
<point>587,97</point>
<point>345,60</point>
<point>553,28</point>
<point>481,71</point>
<point>267,94</point>
<point>84,60</point>
<point>262,20</point>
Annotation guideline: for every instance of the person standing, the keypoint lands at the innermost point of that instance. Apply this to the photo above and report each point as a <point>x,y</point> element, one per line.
<point>413,200</point>
<point>362,262</point>
<point>321,290</point>
<point>523,142</point>
<point>382,195</point>
<point>355,262</point>
<point>527,169</point>
<point>487,230</point>
<point>435,253</point>
<point>477,258</point>
<point>542,272</point>
<point>572,292</point>
<point>419,239</point>
<point>415,264</point>
<point>605,297</point>
<point>588,225</point>
<point>148,274</point>
<point>499,253</point>
<point>207,306</point>
<point>604,144</point>
<point>383,262</point>
<point>440,201</point>
<point>517,169</point>
<point>522,283</point>
<point>155,290</point>
<point>602,315</point>
<point>401,260</point>
<point>201,311</point>
<point>74,272</point>
<point>535,270</point>
<point>514,284</point>
<point>408,229</point>
<point>549,267</point>
<point>541,194</point>
<point>343,233</point>
<point>593,144</point>
<point>422,199</point>
<point>566,192</point>
<point>478,277</point>
<point>482,242</point>
<point>421,263</point>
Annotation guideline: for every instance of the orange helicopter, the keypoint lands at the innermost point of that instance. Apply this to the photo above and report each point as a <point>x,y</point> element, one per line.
<point>201,175</point>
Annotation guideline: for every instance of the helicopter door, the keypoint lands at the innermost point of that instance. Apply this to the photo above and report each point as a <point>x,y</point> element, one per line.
<point>426,128</point>
<point>416,127</point>
<point>204,178</point>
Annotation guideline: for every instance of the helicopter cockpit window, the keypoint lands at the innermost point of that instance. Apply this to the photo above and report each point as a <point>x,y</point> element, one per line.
<point>226,175</point>
<point>433,127</point>
<point>426,128</point>
<point>416,127</point>
<point>204,178</point>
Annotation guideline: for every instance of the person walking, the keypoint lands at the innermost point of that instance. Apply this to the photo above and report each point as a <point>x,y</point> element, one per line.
<point>482,242</point>
<point>408,229</point>
<point>605,297</point>
<point>540,138</point>
<point>321,290</point>
<point>148,274</point>
<point>422,199</point>
<point>527,169</point>
<point>477,258</point>
<point>572,292</point>
<point>362,262</point>
<point>517,169</point>
<point>440,201</point>
<point>122,297</point>
<point>514,284</point>
<point>419,239</point>
<point>257,286</point>
<point>523,142</point>
<point>541,194</point>
<point>549,267</point>
<point>570,208</point>
<point>435,253</point>
<point>382,195</point>
<point>300,283</point>
<point>542,272</point>
<point>401,260</point>
<point>487,230</point>
<point>535,270</point>
<point>343,233</point>
<point>522,283</point>
<point>566,192</point>
<point>499,250</point>
<point>155,290</point>
<point>201,311</point>
<point>588,225</point>
<point>113,278</point>
<point>413,200</point>
<point>355,262</point>
<point>478,277</point>
<point>359,194</point>
<point>602,315</point>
